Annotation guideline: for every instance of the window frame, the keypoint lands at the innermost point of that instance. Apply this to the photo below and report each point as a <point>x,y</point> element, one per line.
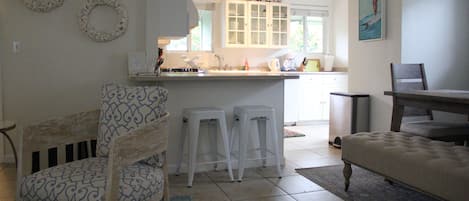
<point>325,32</point>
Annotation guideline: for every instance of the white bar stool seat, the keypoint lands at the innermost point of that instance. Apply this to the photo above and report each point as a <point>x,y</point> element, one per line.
<point>264,118</point>
<point>192,118</point>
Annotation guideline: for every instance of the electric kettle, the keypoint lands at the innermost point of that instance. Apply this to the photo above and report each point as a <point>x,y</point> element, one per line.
<point>274,65</point>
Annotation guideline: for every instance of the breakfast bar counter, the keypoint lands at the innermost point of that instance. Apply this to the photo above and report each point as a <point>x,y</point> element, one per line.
<point>223,90</point>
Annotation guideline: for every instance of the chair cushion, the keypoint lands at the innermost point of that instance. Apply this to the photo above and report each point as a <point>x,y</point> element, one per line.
<point>435,129</point>
<point>124,108</point>
<point>86,180</point>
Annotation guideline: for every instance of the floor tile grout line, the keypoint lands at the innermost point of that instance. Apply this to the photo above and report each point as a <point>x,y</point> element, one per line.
<point>219,187</point>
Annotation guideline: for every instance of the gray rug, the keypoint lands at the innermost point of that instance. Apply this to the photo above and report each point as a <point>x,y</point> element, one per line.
<point>364,185</point>
<point>181,198</point>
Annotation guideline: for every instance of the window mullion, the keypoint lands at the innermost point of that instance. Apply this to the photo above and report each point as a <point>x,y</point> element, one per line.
<point>305,35</point>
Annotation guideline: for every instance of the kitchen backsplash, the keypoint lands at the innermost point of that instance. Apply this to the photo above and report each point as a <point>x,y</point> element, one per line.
<point>257,58</point>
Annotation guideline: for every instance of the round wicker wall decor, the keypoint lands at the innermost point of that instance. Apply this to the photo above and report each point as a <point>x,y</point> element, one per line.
<point>102,36</point>
<point>43,6</point>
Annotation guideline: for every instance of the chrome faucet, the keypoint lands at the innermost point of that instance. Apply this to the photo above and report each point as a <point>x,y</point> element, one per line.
<point>220,61</point>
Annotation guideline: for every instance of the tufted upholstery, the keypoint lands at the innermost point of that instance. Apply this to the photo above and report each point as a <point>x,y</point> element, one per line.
<point>436,167</point>
<point>85,180</point>
<point>125,108</point>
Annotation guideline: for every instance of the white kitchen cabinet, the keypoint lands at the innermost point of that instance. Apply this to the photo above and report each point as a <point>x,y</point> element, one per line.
<point>292,101</point>
<point>279,19</point>
<point>236,24</point>
<point>255,24</point>
<point>258,30</point>
<point>313,96</point>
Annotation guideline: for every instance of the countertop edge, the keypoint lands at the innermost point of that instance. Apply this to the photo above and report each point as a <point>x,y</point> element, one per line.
<point>180,77</point>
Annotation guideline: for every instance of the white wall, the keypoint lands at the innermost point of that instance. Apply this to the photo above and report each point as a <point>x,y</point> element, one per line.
<point>441,27</point>
<point>339,32</point>
<point>436,33</point>
<point>59,70</point>
<point>369,63</point>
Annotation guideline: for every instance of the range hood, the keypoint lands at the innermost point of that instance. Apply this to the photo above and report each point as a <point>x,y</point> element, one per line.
<point>165,20</point>
<point>176,18</point>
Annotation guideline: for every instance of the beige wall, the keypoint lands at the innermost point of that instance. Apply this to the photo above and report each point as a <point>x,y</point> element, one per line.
<point>339,29</point>
<point>59,70</point>
<point>369,63</point>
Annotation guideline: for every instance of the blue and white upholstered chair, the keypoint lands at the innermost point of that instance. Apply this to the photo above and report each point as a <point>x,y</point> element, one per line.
<point>131,129</point>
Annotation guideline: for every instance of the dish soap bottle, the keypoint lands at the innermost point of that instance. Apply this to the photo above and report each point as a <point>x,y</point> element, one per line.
<point>246,64</point>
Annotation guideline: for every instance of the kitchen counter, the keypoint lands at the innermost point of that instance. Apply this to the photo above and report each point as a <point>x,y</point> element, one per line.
<point>222,89</point>
<point>215,75</point>
<point>227,75</point>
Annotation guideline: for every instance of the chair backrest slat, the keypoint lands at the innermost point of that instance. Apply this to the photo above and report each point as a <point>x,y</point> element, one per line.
<point>61,154</point>
<point>406,77</point>
<point>43,159</point>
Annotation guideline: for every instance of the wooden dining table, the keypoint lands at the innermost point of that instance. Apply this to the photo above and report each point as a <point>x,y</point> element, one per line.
<point>454,101</point>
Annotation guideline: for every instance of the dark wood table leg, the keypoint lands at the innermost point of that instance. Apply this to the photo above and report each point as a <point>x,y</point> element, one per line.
<point>397,113</point>
<point>12,147</point>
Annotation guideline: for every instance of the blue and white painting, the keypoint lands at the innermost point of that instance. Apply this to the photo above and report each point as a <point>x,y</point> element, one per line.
<point>371,19</point>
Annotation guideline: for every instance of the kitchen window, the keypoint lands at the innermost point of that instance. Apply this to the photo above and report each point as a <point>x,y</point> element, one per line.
<point>308,30</point>
<point>200,38</point>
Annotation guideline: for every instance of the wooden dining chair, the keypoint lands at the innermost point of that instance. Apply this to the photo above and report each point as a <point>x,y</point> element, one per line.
<point>407,77</point>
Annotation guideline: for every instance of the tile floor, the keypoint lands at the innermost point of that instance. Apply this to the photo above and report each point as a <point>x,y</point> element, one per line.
<point>259,184</point>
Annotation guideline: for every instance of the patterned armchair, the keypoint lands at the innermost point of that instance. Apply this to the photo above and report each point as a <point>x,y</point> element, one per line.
<point>132,133</point>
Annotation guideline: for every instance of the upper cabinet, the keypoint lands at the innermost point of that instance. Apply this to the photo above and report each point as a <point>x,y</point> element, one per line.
<point>258,34</point>
<point>279,18</point>
<point>236,23</point>
<point>255,24</point>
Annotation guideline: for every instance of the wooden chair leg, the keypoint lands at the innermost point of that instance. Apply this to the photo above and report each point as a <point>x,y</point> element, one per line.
<point>347,174</point>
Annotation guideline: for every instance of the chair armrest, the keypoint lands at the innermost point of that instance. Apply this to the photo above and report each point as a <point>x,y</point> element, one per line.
<point>135,146</point>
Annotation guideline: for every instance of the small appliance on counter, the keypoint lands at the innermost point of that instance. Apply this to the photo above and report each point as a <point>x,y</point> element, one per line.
<point>274,65</point>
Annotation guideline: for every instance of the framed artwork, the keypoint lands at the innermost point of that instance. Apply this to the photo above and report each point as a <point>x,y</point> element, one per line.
<point>371,20</point>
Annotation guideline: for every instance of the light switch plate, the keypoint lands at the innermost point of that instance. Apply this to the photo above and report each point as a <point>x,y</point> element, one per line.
<point>16,46</point>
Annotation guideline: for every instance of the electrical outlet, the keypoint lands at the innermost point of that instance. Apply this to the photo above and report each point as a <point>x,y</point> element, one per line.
<point>16,46</point>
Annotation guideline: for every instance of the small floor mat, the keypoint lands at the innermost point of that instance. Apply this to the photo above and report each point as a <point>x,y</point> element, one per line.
<point>287,133</point>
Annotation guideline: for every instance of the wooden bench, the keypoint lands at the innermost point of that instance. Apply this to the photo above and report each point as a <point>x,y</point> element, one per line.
<point>439,169</point>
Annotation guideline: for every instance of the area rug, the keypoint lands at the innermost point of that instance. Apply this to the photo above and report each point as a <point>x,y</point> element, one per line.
<point>181,198</point>
<point>364,185</point>
<point>291,133</point>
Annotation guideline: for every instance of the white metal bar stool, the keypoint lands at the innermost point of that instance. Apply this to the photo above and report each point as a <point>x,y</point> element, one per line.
<point>264,117</point>
<point>192,118</point>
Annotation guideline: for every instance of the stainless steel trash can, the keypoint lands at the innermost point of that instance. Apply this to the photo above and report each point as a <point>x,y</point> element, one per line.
<point>349,114</point>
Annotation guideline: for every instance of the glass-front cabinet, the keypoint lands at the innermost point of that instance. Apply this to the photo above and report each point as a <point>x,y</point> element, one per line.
<point>236,24</point>
<point>258,24</point>
<point>279,18</point>
<point>255,24</point>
